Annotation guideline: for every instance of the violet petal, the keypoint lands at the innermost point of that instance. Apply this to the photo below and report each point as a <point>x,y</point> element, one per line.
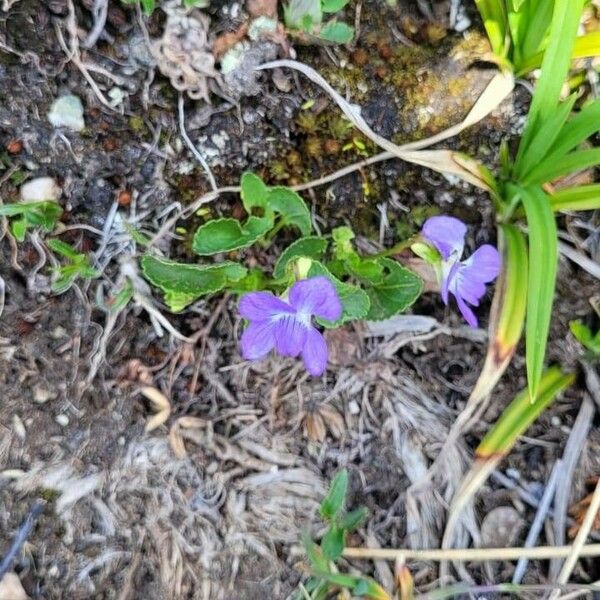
<point>262,305</point>
<point>258,339</point>
<point>447,234</point>
<point>290,335</point>
<point>466,312</point>
<point>315,352</point>
<point>316,296</point>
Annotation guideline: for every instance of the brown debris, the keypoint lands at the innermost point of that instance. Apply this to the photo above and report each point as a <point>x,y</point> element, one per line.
<point>259,8</point>
<point>579,510</point>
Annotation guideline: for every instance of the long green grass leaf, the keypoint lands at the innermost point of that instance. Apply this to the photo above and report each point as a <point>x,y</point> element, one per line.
<point>571,163</point>
<point>543,259</point>
<point>521,413</point>
<point>493,14</point>
<point>583,197</point>
<point>536,24</point>
<point>575,131</point>
<point>532,154</point>
<point>555,65</point>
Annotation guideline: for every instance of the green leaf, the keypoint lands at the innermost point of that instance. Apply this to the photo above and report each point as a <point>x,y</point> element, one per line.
<point>494,17</point>
<point>332,6</point>
<point>370,270</point>
<point>576,130</point>
<point>342,242</point>
<point>310,247</point>
<point>575,161</point>
<point>584,197</point>
<point>555,65</point>
<point>291,207</point>
<point>543,261</point>
<point>521,413</point>
<point>253,191</point>
<point>254,280</point>
<point>355,302</point>
<point>353,519</point>
<point>585,46</point>
<point>333,503</point>
<point>398,290</point>
<point>542,141</point>
<point>34,214</point>
<point>315,555</point>
<point>19,229</point>
<point>337,32</point>
<point>184,283</point>
<point>333,542</point>
<point>585,337</point>
<point>121,298</point>
<point>299,13</point>
<point>224,235</point>
<point>63,249</point>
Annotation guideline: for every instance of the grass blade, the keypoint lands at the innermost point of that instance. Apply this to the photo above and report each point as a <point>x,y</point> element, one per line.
<point>576,161</point>
<point>585,46</point>
<point>543,260</point>
<point>507,316</point>
<point>583,197</point>
<point>532,154</point>
<point>537,21</point>
<point>555,65</point>
<point>493,15</point>
<point>513,422</point>
<point>521,413</point>
<point>578,129</point>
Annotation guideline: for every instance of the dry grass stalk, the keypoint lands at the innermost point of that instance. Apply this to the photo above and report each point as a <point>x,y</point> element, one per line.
<point>471,554</point>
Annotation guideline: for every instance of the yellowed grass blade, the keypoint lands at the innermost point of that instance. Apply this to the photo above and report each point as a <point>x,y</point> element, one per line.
<point>442,161</point>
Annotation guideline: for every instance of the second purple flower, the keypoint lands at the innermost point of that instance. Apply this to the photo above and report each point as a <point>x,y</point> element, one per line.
<point>466,279</point>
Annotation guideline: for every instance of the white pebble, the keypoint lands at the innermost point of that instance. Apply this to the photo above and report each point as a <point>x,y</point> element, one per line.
<point>40,189</point>
<point>62,420</point>
<point>67,111</point>
<point>353,407</point>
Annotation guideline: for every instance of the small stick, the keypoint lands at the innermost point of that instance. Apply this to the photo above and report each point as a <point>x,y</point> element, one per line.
<point>192,147</point>
<point>579,542</point>
<point>22,535</point>
<point>470,554</point>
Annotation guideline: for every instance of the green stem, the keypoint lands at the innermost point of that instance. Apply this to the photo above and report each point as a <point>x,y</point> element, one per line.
<point>396,249</point>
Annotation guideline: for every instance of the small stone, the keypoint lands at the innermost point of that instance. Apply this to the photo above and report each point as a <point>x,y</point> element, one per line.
<point>11,588</point>
<point>67,111</point>
<point>14,146</point>
<point>58,333</point>
<point>62,420</point>
<point>40,189</point>
<point>556,422</point>
<point>41,395</point>
<point>353,407</point>
<point>19,427</point>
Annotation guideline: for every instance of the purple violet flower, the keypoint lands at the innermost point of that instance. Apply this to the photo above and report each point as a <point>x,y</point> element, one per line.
<point>466,279</point>
<point>286,325</point>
